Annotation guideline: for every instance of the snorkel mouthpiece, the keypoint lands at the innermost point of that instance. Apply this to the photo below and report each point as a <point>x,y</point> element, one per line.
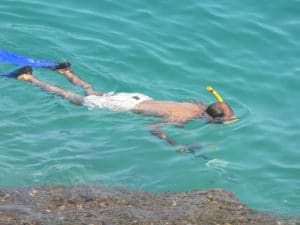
<point>232,120</point>
<point>215,93</point>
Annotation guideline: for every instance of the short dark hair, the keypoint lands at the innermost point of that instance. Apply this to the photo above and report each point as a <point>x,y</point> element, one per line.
<point>214,111</point>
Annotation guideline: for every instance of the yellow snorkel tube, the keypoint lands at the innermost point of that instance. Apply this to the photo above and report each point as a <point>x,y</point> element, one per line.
<point>220,99</point>
<point>215,93</point>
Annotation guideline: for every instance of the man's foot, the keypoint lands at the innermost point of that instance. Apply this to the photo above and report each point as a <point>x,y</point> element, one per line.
<point>25,70</point>
<point>26,77</point>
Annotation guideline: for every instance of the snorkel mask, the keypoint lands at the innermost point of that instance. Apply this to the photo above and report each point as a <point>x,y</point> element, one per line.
<point>217,111</point>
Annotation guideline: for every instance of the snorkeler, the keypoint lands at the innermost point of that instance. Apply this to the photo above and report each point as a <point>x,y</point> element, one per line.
<point>173,113</point>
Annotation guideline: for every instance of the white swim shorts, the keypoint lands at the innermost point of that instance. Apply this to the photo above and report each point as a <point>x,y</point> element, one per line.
<point>115,102</point>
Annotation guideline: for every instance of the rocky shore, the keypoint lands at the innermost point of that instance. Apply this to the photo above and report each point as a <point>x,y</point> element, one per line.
<point>105,206</point>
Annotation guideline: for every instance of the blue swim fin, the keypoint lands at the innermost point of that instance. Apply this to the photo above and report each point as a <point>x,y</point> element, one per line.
<point>22,60</point>
<point>16,73</point>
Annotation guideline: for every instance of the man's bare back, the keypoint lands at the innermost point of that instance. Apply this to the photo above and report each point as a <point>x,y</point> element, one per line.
<point>177,112</point>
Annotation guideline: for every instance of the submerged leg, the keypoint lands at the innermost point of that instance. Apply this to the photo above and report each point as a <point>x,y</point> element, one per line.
<point>27,76</point>
<point>64,69</point>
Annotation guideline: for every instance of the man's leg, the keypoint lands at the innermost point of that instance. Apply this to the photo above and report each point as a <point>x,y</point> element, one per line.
<point>64,69</point>
<point>72,97</point>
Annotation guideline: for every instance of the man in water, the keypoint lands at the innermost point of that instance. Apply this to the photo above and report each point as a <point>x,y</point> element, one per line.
<point>172,112</point>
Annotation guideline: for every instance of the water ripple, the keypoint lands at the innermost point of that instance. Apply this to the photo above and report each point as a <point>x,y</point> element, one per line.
<point>248,51</point>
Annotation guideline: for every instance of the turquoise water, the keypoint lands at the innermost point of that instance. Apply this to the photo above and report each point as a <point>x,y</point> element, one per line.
<point>248,50</point>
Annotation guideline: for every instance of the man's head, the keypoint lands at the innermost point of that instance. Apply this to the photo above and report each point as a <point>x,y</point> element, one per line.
<point>219,112</point>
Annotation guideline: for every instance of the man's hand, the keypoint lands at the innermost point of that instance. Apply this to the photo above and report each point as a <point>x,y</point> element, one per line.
<point>190,148</point>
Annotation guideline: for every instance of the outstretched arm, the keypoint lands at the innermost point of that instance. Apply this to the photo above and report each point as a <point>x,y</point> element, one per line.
<point>156,130</point>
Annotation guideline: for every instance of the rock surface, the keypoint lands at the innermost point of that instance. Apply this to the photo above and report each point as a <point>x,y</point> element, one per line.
<point>101,205</point>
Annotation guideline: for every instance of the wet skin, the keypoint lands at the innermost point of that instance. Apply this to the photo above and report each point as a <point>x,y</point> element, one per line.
<point>172,112</point>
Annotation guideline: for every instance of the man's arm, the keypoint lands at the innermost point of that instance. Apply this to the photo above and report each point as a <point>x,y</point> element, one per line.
<point>156,130</point>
